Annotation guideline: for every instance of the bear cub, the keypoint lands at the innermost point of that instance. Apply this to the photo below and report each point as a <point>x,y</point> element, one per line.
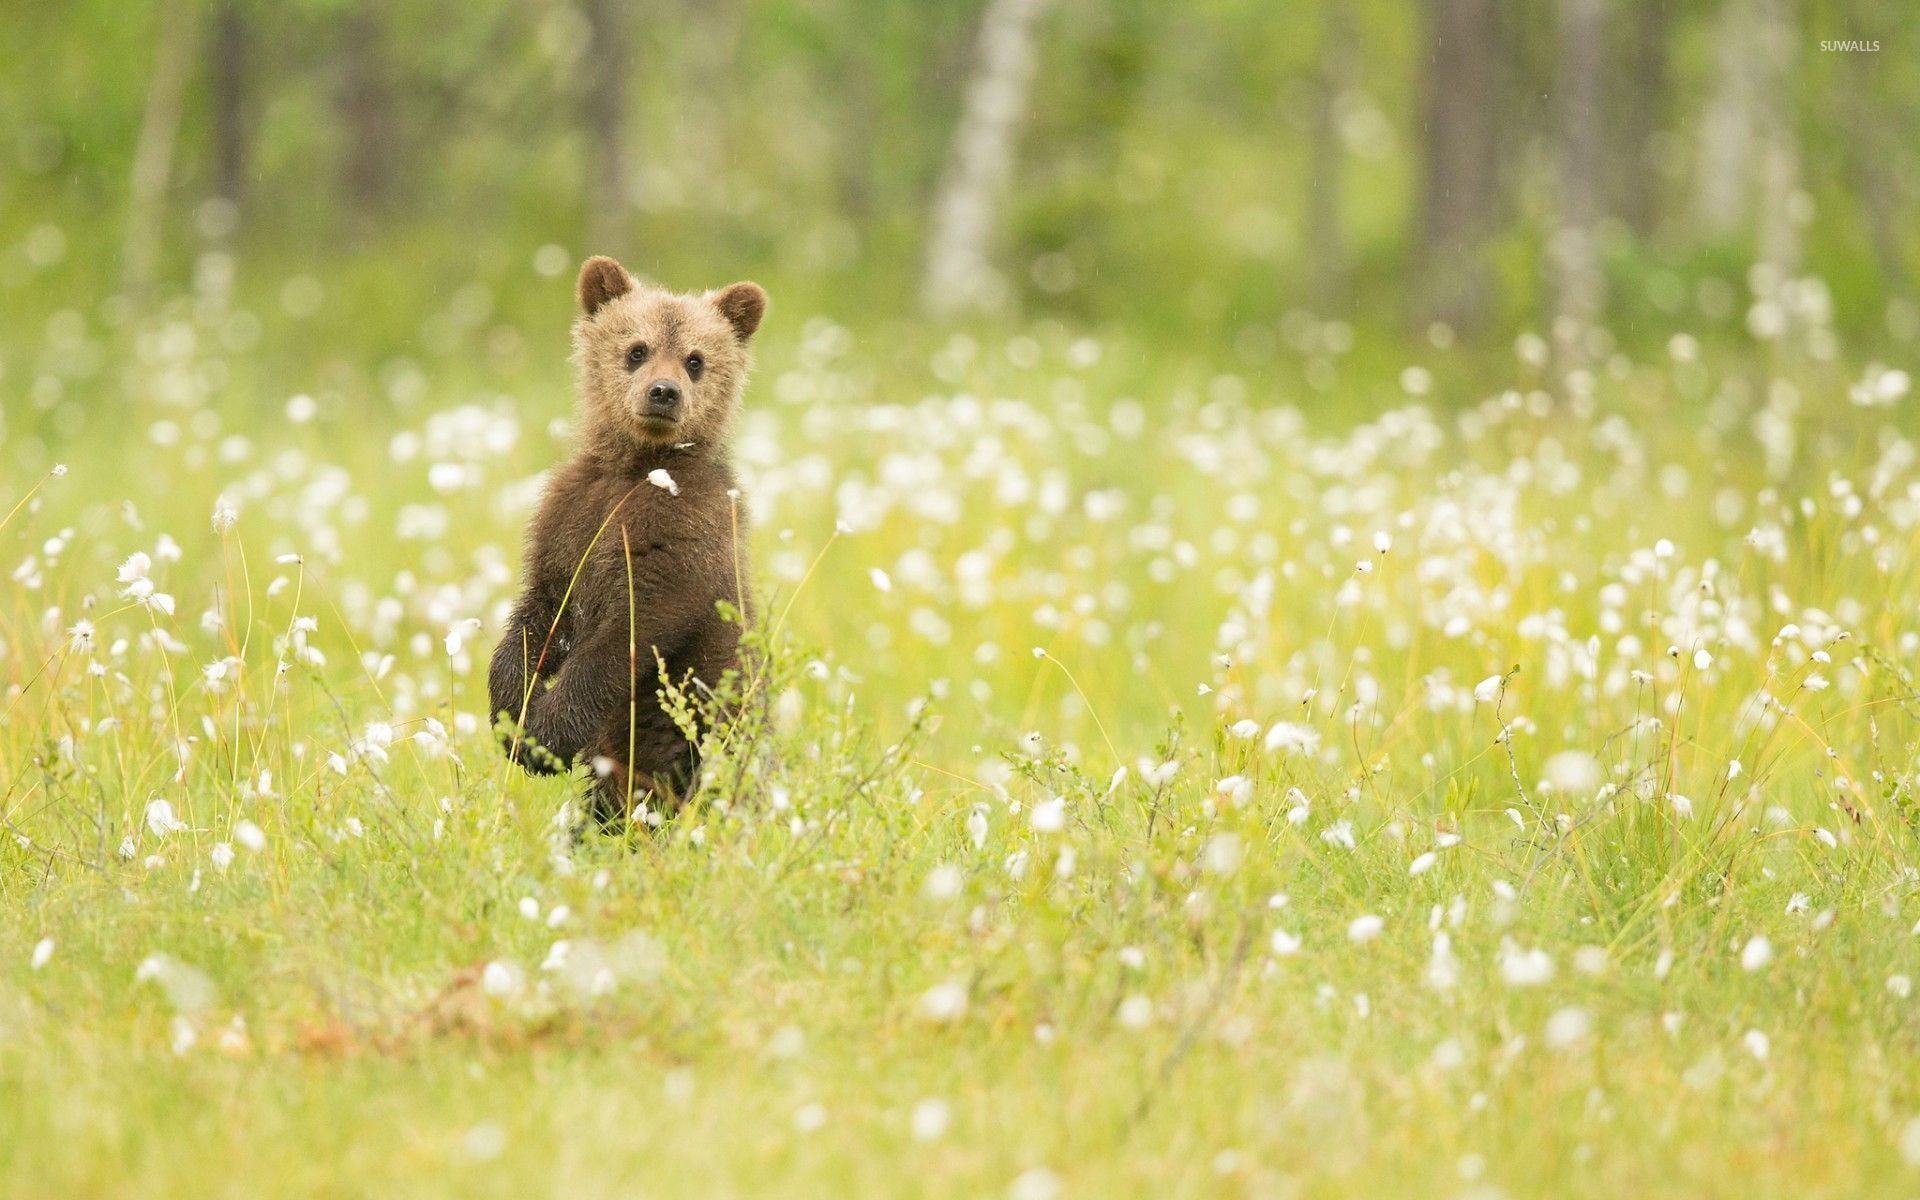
<point>635,543</point>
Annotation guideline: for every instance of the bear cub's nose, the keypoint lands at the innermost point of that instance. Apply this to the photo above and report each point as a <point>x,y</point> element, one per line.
<point>663,398</point>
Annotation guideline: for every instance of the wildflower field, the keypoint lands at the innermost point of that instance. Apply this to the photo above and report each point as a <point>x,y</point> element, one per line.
<point>1509,792</point>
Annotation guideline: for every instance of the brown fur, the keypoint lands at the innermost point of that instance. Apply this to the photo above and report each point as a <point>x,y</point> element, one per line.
<point>575,675</point>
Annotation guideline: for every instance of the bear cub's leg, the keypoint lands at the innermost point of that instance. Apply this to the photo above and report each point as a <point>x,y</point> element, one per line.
<point>660,776</point>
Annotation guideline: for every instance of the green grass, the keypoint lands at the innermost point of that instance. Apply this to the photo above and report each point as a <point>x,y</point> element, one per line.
<point>864,929</point>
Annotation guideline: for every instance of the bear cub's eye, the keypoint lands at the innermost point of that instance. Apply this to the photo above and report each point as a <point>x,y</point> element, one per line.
<point>695,364</point>
<point>636,354</point>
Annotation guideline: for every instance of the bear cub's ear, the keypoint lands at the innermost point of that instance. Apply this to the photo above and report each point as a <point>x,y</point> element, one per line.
<point>742,304</point>
<point>601,280</point>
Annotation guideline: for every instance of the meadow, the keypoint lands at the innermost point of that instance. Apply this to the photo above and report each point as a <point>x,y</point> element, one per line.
<point>1170,785</point>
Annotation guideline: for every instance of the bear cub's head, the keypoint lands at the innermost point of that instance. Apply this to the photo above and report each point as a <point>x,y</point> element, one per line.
<point>658,368</point>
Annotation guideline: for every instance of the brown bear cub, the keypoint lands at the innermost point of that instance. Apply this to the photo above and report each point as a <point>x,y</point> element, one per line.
<point>634,546</point>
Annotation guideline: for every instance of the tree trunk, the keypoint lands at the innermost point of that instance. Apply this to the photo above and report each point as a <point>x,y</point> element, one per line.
<point>605,70</point>
<point>153,154</point>
<point>366,109</point>
<point>227,87</point>
<point>1724,192</point>
<point>960,276</point>
<point>1460,186</point>
<point>1779,225</point>
<point>1578,283</point>
<point>1644,88</point>
<point>1326,234</point>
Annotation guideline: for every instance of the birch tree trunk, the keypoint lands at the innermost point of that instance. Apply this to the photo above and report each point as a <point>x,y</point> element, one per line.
<point>1578,283</point>
<point>1723,197</point>
<point>960,275</point>
<point>153,154</point>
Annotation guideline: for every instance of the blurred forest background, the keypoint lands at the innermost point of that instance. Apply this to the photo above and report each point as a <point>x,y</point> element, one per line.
<point>1240,184</point>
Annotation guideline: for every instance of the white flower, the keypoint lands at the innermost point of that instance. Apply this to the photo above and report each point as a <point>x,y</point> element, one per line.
<point>944,1002</point>
<point>375,741</point>
<point>929,1120</point>
<point>1245,729</point>
<point>1574,772</point>
<point>659,478</point>
<point>249,835</point>
<point>222,856</point>
<point>133,573</point>
<point>1235,789</point>
<point>160,817</point>
<point>1284,943</point>
<point>1757,953</point>
<point>1340,834</point>
<point>1568,1028</point>
<point>1910,1141</point>
<point>1524,968</point>
<point>459,633</point>
<point>1222,854</point>
<point>944,882</point>
<point>1136,1012</point>
<point>1294,739</point>
<point>500,979</point>
<point>1487,689</point>
<point>42,953</point>
<point>1757,1044</point>
<point>80,636</point>
<point>225,515</point>
<point>1443,969</point>
<point>1365,929</point>
<point>1702,660</point>
<point>1049,816</point>
<point>881,579</point>
<point>1035,1183</point>
<point>1422,864</point>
